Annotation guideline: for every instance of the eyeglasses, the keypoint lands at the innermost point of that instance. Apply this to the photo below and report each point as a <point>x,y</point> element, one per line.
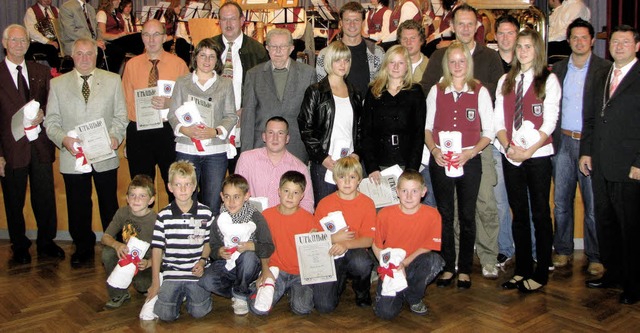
<point>18,40</point>
<point>624,43</point>
<point>151,36</point>
<point>278,47</point>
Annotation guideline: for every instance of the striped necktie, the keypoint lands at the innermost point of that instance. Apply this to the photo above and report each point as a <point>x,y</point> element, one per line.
<point>227,69</point>
<point>153,74</point>
<point>518,114</point>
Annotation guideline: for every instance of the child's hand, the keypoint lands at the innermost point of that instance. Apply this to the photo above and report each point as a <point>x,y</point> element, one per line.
<point>121,250</point>
<point>263,277</point>
<point>198,269</point>
<point>152,291</point>
<point>246,246</point>
<point>224,253</point>
<point>343,235</point>
<point>337,249</point>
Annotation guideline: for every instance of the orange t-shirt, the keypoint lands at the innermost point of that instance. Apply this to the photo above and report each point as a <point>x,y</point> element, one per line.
<point>283,229</point>
<point>396,229</point>
<point>359,213</point>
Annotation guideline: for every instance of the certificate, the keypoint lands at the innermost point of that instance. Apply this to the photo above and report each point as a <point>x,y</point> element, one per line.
<point>316,264</point>
<point>146,116</point>
<point>95,141</point>
<point>383,194</point>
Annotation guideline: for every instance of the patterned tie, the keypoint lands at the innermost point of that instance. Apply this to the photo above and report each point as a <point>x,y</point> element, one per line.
<point>46,12</point>
<point>227,69</point>
<point>85,87</point>
<point>518,115</point>
<point>153,73</point>
<point>615,82</point>
<point>23,88</point>
<point>86,17</point>
<point>129,27</point>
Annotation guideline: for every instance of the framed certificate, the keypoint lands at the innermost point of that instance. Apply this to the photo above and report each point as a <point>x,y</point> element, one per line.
<point>316,264</point>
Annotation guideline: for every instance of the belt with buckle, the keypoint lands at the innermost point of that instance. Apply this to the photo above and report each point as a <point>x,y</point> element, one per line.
<point>395,139</point>
<point>572,134</point>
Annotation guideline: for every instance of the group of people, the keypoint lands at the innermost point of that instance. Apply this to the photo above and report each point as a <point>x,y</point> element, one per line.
<point>360,111</point>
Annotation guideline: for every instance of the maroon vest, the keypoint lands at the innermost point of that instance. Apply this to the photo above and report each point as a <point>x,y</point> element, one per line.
<point>375,19</point>
<point>115,23</point>
<point>532,110</point>
<point>395,16</point>
<point>44,26</point>
<point>462,116</point>
<point>40,14</point>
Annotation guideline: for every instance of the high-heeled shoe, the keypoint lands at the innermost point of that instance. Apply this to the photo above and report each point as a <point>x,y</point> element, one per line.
<point>529,286</point>
<point>512,283</point>
<point>441,283</point>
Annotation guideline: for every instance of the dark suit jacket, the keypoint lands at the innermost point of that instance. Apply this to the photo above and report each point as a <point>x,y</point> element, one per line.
<point>560,69</point>
<point>611,132</point>
<point>260,102</point>
<point>17,154</point>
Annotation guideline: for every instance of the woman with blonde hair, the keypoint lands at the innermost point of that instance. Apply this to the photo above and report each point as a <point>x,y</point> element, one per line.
<point>393,117</point>
<point>461,104</point>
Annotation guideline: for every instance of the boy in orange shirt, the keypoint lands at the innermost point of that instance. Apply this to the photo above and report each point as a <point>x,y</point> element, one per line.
<point>285,221</point>
<point>415,228</point>
<point>353,241</point>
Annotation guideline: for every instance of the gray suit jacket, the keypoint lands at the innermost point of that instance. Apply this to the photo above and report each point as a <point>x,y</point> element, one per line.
<point>73,24</point>
<point>66,109</point>
<point>260,102</point>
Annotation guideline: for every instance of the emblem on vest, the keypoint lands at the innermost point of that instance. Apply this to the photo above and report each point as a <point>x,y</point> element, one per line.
<point>378,26</point>
<point>396,22</point>
<point>536,109</point>
<point>471,114</point>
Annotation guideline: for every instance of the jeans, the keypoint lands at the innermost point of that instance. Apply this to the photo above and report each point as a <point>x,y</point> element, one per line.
<point>566,176</point>
<point>210,172</point>
<point>300,297</point>
<point>356,264</point>
<point>430,198</point>
<point>528,188</point>
<point>321,188</point>
<point>234,283</point>
<point>172,293</point>
<point>422,270</point>
<point>466,188</point>
<point>505,236</point>
<point>141,281</point>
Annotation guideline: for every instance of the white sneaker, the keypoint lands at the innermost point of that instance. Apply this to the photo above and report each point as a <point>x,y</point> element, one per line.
<point>489,271</point>
<point>240,306</point>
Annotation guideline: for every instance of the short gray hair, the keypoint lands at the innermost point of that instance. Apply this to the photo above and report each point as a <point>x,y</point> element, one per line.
<point>87,41</point>
<point>279,32</point>
<point>5,33</point>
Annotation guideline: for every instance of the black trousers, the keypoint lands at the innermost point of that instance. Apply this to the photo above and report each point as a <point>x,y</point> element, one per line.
<point>617,212</point>
<point>148,148</point>
<point>533,176</point>
<point>14,189</point>
<point>49,51</point>
<point>80,205</point>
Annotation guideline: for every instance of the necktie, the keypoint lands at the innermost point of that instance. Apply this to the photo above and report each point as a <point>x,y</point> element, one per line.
<point>153,73</point>
<point>84,11</point>
<point>46,12</point>
<point>227,69</point>
<point>129,27</point>
<point>85,87</point>
<point>615,81</point>
<point>23,88</point>
<point>518,115</point>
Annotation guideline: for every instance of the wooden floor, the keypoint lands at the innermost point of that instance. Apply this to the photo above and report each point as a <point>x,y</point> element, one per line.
<point>50,296</point>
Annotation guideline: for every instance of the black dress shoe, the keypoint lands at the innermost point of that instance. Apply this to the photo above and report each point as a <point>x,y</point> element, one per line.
<point>21,257</point>
<point>626,298</point>
<point>462,284</point>
<point>525,286</point>
<point>511,284</point>
<point>81,257</point>
<point>51,251</point>
<point>601,283</point>
<point>364,300</point>
<point>441,283</point>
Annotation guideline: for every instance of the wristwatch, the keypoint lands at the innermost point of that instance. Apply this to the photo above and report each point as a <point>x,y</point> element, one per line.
<point>206,260</point>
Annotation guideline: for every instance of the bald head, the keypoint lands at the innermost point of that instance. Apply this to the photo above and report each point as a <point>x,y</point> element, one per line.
<point>153,35</point>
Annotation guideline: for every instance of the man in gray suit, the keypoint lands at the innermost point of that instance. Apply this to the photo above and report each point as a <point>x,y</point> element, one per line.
<point>78,20</point>
<point>82,95</point>
<point>263,94</point>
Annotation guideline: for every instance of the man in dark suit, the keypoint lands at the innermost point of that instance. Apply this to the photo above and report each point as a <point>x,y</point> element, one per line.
<point>275,88</point>
<point>82,95</point>
<point>576,74</point>
<point>23,159</point>
<point>610,153</point>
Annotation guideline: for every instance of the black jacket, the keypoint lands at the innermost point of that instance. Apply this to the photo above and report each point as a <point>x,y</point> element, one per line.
<point>316,118</point>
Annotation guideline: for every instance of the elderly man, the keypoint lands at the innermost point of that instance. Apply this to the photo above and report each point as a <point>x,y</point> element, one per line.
<point>241,53</point>
<point>263,167</point>
<point>610,154</point>
<point>22,160</point>
<point>151,145</point>
<point>38,19</point>
<point>366,56</point>
<point>82,95</point>
<point>488,69</point>
<point>275,88</point>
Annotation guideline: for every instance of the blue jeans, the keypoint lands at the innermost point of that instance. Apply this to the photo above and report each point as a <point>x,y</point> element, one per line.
<point>210,172</point>
<point>234,283</point>
<point>172,293</point>
<point>321,188</point>
<point>505,237</point>
<point>429,199</point>
<point>356,264</point>
<point>300,297</point>
<point>566,176</point>
<point>141,281</point>
<point>422,270</point>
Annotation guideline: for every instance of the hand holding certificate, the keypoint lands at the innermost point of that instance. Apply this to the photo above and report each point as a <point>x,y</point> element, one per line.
<point>316,264</point>
<point>147,117</point>
<point>96,141</point>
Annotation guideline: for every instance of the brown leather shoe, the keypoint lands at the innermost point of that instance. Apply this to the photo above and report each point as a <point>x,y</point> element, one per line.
<point>595,268</point>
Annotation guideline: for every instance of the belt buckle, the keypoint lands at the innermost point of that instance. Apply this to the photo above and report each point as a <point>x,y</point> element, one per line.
<point>575,135</point>
<point>395,140</point>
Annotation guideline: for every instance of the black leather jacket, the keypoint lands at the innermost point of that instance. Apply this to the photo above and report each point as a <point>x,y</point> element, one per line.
<point>316,119</point>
